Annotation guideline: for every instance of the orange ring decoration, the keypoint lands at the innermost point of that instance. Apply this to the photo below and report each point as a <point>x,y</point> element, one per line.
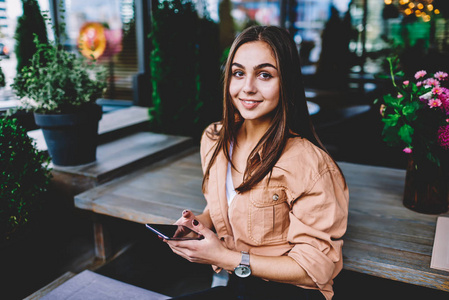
<point>92,40</point>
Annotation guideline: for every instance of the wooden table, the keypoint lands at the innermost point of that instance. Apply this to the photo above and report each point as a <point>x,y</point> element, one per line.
<point>383,239</point>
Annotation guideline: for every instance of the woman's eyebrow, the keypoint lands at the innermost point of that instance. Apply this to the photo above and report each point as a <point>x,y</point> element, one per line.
<point>266,65</point>
<point>258,67</point>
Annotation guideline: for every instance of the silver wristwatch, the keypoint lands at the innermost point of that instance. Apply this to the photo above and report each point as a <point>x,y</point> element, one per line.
<point>243,270</point>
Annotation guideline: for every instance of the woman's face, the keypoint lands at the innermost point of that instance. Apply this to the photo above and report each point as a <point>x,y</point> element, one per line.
<point>254,85</point>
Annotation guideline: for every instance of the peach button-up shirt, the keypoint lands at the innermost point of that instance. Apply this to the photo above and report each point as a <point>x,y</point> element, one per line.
<point>301,211</point>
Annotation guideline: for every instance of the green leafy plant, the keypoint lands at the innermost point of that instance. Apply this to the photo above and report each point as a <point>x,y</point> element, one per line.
<point>58,81</point>
<point>416,114</point>
<point>25,177</point>
<point>30,24</point>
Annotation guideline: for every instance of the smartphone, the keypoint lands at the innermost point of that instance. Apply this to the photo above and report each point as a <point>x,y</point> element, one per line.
<point>174,232</point>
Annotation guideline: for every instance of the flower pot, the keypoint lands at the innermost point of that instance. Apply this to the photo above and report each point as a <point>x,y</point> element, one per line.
<point>426,187</point>
<point>71,138</point>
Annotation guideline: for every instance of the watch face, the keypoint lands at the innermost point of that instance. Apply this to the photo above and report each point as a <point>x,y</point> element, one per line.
<point>242,271</point>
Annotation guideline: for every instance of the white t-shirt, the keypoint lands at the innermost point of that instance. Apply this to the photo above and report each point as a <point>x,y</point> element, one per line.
<point>230,191</point>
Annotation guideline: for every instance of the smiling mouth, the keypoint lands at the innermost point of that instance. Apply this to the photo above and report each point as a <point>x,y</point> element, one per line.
<point>250,101</point>
<point>250,104</point>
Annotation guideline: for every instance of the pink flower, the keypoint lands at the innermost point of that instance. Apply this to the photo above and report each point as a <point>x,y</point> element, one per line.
<point>445,92</point>
<point>420,74</point>
<point>440,75</point>
<point>432,82</point>
<point>419,83</point>
<point>407,150</point>
<point>445,104</point>
<point>437,91</point>
<point>382,109</point>
<point>399,96</point>
<point>406,82</point>
<point>443,137</point>
<point>434,103</point>
<point>447,120</point>
<point>444,96</point>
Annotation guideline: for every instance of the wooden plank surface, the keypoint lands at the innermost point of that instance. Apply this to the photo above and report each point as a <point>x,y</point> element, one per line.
<point>158,193</point>
<point>383,239</point>
<point>92,286</point>
<point>123,118</point>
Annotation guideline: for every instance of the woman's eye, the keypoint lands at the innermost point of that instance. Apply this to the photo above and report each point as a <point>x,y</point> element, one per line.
<point>265,75</point>
<point>237,73</point>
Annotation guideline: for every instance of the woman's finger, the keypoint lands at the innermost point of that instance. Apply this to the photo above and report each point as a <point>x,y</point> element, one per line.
<point>186,218</point>
<point>201,229</point>
<point>188,214</point>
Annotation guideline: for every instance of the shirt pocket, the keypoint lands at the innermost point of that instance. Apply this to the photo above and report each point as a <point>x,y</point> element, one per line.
<point>268,218</point>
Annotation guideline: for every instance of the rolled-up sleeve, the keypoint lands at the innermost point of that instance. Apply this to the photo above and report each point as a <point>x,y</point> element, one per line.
<point>318,219</point>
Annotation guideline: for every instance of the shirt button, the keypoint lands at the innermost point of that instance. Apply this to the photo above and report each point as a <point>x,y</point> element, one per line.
<point>275,197</point>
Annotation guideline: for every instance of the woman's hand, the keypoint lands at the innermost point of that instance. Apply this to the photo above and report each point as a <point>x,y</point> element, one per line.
<point>186,218</point>
<point>210,250</point>
<point>206,251</point>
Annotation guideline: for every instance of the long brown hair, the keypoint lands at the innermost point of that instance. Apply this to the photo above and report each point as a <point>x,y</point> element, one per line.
<point>290,117</point>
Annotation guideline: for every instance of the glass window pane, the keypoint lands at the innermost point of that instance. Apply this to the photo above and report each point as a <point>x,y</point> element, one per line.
<point>262,12</point>
<point>10,10</point>
<point>107,27</point>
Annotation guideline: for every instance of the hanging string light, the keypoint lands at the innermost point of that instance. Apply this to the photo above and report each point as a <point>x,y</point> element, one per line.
<point>420,8</point>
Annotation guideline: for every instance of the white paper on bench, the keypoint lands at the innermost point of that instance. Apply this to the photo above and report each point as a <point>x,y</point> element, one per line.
<point>440,252</point>
<point>92,286</point>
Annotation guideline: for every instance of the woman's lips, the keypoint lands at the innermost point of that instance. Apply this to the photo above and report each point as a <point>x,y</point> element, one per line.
<point>250,104</point>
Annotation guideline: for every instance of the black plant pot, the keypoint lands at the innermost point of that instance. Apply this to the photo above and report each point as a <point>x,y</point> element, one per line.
<point>71,138</point>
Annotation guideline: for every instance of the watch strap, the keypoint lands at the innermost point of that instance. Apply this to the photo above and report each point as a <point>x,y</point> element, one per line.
<point>245,258</point>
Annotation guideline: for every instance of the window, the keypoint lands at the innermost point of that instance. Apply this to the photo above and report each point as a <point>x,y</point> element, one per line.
<point>108,27</point>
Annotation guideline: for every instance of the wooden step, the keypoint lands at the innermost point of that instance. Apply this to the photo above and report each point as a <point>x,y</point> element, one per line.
<point>125,146</point>
<point>118,158</point>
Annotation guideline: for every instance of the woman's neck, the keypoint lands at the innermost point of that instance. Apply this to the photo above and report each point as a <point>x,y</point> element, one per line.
<point>251,132</point>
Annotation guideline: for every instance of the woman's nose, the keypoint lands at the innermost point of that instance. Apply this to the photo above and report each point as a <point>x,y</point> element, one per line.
<point>249,87</point>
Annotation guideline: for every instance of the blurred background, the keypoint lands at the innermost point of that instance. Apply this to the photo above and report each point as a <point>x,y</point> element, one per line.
<point>167,56</point>
<point>164,54</point>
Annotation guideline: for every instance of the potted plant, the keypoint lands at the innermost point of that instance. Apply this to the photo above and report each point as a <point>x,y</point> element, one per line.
<point>25,178</point>
<point>61,88</point>
<point>416,119</point>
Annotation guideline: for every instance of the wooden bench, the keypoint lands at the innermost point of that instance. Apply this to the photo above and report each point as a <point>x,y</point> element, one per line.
<point>383,239</point>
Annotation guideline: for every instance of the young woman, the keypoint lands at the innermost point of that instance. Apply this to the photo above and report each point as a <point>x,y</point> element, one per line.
<point>277,203</point>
